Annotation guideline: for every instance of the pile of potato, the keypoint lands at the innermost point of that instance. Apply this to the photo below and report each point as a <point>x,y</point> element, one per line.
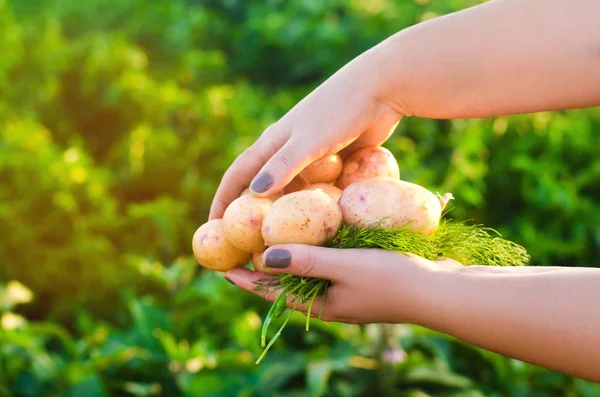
<point>364,190</point>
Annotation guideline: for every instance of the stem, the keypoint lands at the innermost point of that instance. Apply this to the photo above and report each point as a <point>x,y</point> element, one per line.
<point>323,302</point>
<point>385,371</point>
<point>264,353</point>
<point>279,302</point>
<point>263,334</point>
<point>314,293</point>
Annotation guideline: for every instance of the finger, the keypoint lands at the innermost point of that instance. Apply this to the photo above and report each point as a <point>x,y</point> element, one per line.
<point>262,284</point>
<point>285,165</point>
<point>245,167</point>
<point>267,287</point>
<point>376,135</point>
<point>310,261</point>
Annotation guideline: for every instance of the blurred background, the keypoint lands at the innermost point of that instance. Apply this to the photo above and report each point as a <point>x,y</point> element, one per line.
<point>117,120</point>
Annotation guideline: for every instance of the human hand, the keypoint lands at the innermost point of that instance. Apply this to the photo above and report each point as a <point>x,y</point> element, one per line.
<point>544,316</point>
<point>436,69</point>
<point>345,112</point>
<point>367,285</point>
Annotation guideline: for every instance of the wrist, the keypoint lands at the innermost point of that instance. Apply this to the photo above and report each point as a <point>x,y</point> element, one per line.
<point>433,296</point>
<point>376,76</point>
<point>391,73</point>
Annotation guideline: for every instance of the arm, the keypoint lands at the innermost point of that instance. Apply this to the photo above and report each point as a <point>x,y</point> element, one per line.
<point>502,57</point>
<point>546,316</point>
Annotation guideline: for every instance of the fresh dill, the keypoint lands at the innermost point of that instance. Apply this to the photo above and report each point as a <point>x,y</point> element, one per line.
<point>467,244</point>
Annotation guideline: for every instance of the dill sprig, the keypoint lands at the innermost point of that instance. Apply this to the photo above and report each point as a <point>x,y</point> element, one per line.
<point>467,244</point>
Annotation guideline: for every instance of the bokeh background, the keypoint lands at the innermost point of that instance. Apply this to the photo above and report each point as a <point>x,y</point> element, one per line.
<point>117,120</point>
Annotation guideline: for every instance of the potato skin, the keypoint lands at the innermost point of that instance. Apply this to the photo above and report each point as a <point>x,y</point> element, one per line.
<point>368,162</point>
<point>333,191</point>
<point>392,202</point>
<point>213,250</point>
<point>242,222</point>
<point>305,217</point>
<point>326,169</point>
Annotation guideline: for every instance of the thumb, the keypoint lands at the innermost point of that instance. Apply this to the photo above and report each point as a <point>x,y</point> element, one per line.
<point>310,261</point>
<point>282,167</point>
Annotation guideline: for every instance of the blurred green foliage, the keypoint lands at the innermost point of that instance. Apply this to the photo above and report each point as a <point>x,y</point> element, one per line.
<point>117,119</point>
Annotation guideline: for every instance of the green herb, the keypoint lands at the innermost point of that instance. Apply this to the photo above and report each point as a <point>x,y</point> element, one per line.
<point>467,244</point>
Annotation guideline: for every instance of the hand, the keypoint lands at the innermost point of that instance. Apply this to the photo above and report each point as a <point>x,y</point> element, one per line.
<point>436,69</point>
<point>367,285</point>
<point>344,112</point>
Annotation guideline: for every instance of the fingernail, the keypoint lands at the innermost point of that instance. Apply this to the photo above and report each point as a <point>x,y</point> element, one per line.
<point>229,281</point>
<point>278,259</point>
<point>261,183</point>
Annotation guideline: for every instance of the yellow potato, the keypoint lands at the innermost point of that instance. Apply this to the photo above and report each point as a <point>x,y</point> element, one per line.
<point>259,264</point>
<point>213,250</point>
<point>242,221</point>
<point>392,202</point>
<point>368,162</point>
<point>306,217</point>
<point>326,169</point>
<point>273,197</point>
<point>333,191</point>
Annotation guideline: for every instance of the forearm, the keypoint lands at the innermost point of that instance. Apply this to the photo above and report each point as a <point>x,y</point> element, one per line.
<point>502,57</point>
<point>549,317</point>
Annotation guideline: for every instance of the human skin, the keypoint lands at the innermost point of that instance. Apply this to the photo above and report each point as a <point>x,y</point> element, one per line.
<point>502,57</point>
<point>548,316</point>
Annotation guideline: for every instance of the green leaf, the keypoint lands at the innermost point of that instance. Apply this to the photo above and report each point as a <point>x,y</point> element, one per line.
<point>276,370</point>
<point>317,378</point>
<point>426,375</point>
<point>216,384</point>
<point>148,317</point>
<point>89,387</point>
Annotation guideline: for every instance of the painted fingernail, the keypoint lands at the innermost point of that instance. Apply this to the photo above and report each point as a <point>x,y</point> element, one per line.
<point>229,280</point>
<point>261,183</point>
<point>278,259</point>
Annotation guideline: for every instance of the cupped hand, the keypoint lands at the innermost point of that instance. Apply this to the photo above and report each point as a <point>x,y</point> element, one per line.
<point>345,112</point>
<point>367,285</point>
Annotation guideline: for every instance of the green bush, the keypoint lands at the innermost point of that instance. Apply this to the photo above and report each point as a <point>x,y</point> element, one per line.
<point>118,119</point>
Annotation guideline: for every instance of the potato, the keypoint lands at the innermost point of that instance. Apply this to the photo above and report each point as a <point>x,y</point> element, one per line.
<point>273,197</point>
<point>393,202</point>
<point>242,221</point>
<point>259,264</point>
<point>333,191</point>
<point>368,162</point>
<point>213,250</point>
<point>297,184</point>
<point>305,217</point>
<point>326,169</point>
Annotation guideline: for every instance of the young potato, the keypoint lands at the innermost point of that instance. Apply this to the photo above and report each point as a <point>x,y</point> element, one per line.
<point>392,202</point>
<point>333,191</point>
<point>297,184</point>
<point>273,197</point>
<point>306,217</point>
<point>326,169</point>
<point>213,250</point>
<point>242,222</point>
<point>259,264</point>
<point>368,162</point>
